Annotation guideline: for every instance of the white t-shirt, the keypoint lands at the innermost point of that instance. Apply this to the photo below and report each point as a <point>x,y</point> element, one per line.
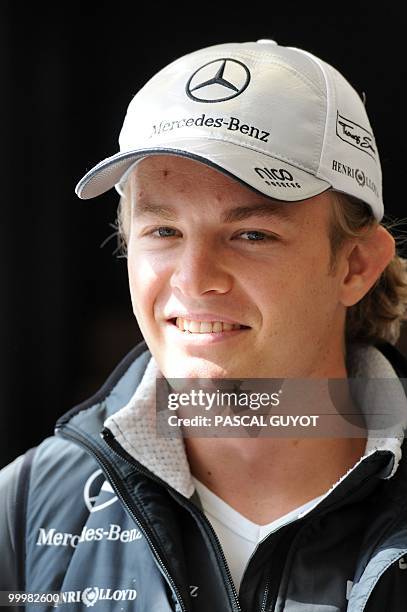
<point>238,535</point>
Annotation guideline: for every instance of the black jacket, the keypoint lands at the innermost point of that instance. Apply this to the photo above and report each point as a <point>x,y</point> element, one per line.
<point>86,516</point>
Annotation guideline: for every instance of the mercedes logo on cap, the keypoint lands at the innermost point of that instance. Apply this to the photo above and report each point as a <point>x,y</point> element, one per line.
<point>219,80</point>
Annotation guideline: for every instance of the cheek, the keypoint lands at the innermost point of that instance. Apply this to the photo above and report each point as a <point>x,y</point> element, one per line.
<point>299,291</point>
<point>317,294</point>
<point>147,277</point>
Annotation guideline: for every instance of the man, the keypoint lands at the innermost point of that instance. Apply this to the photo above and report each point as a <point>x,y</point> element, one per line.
<point>250,211</point>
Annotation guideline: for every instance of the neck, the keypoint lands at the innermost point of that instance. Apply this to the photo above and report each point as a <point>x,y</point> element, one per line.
<point>265,478</point>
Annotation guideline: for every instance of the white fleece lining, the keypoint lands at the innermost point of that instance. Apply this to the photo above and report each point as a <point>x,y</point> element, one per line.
<point>134,425</point>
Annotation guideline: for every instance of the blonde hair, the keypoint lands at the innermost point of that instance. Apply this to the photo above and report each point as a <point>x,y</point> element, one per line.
<point>123,221</point>
<point>378,316</point>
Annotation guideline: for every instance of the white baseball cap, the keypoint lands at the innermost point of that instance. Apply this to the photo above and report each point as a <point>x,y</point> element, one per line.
<point>279,119</point>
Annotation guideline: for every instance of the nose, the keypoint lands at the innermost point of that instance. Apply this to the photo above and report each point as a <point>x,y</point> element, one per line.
<point>201,269</point>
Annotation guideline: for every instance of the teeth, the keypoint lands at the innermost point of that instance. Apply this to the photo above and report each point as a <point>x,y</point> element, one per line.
<point>217,326</point>
<point>204,327</point>
<point>194,327</point>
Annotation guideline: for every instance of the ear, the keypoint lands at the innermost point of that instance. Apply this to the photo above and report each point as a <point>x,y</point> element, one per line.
<point>365,260</point>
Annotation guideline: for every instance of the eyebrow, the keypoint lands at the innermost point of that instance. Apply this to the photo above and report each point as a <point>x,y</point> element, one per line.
<point>239,213</point>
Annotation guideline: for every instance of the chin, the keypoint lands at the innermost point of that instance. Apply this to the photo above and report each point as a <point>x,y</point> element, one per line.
<point>194,368</point>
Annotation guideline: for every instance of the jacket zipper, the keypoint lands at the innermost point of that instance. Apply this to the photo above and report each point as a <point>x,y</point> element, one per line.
<point>71,434</point>
<point>217,546</point>
<point>115,447</point>
<point>265,596</point>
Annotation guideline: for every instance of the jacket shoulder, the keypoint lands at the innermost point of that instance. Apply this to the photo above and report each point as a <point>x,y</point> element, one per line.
<point>33,476</point>
<point>9,510</point>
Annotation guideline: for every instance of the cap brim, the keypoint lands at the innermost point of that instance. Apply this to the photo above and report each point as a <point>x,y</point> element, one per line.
<point>264,173</point>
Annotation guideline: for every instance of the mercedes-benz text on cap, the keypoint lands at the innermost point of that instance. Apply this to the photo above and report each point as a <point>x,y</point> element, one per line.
<point>277,118</point>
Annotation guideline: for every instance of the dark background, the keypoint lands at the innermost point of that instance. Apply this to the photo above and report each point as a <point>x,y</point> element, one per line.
<point>68,71</point>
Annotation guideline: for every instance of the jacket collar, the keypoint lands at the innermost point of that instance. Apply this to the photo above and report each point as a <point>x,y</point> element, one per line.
<point>134,425</point>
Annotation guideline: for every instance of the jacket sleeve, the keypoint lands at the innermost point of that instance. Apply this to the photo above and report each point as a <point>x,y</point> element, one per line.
<point>9,477</point>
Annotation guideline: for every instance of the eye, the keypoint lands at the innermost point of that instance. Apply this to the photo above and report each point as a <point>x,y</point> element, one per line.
<point>256,236</point>
<point>163,232</point>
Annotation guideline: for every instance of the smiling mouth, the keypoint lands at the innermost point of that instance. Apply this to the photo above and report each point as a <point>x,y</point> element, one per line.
<point>205,327</point>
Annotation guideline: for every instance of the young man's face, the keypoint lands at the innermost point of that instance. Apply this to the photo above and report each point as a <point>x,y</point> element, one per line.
<point>216,260</point>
